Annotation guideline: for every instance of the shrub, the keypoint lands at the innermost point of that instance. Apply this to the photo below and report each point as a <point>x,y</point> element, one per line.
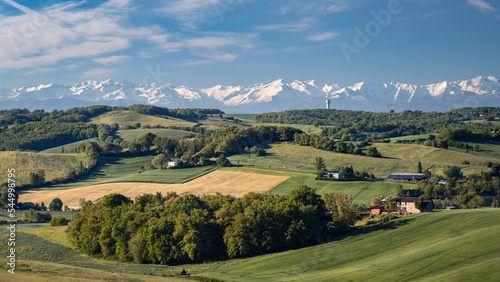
<point>59,221</point>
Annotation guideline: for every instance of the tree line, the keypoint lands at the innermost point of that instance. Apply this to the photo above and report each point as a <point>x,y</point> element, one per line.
<point>359,124</point>
<point>177,229</point>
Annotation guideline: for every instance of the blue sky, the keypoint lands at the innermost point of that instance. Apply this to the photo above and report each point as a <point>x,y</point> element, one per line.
<point>201,43</point>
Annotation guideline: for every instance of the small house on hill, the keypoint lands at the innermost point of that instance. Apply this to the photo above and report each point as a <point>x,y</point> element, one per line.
<point>410,205</point>
<point>332,173</point>
<point>172,163</point>
<point>410,177</point>
<point>378,209</point>
<point>215,117</point>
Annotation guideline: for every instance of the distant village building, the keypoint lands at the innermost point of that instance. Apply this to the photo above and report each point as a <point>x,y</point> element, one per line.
<point>410,177</point>
<point>173,163</point>
<point>378,209</point>
<point>333,173</point>
<point>407,205</point>
<point>215,117</point>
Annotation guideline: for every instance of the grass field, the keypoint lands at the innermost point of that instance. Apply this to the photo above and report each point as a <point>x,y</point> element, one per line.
<point>45,254</point>
<point>361,191</point>
<point>132,134</point>
<point>486,148</point>
<point>55,165</point>
<point>124,118</point>
<point>410,137</point>
<point>125,169</point>
<point>446,246</point>
<point>225,182</point>
<point>397,158</point>
<point>69,146</point>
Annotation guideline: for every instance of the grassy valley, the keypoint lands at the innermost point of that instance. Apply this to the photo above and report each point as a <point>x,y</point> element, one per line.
<point>419,247</point>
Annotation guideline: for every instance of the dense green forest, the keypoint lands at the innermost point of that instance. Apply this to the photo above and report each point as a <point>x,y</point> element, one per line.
<point>39,130</point>
<point>173,229</point>
<point>354,124</point>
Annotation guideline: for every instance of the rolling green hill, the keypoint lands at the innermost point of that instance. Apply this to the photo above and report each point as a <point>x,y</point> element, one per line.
<point>396,158</point>
<point>124,118</point>
<point>132,134</point>
<point>361,191</point>
<point>69,146</point>
<point>124,169</point>
<point>446,246</point>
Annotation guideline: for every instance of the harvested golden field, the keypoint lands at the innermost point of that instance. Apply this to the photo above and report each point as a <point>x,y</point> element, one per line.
<point>235,183</point>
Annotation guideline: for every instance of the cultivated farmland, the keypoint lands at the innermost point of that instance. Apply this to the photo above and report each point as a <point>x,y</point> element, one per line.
<point>225,182</point>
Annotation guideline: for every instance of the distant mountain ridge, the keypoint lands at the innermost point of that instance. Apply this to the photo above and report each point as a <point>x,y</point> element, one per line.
<point>270,96</point>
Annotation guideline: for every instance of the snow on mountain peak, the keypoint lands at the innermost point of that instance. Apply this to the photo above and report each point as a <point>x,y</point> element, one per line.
<point>274,95</point>
<point>492,78</point>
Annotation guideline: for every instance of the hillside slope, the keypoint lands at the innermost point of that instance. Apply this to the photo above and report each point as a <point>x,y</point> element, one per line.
<point>445,246</point>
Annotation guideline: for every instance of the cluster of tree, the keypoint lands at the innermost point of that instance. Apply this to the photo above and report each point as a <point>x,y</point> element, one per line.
<point>229,141</point>
<point>168,229</point>
<point>458,191</point>
<point>59,221</point>
<point>329,144</point>
<point>35,216</point>
<point>344,172</point>
<point>179,113</point>
<point>22,116</point>
<point>359,124</point>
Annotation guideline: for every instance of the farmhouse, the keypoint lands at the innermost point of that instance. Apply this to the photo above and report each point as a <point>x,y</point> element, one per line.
<point>214,117</point>
<point>410,177</point>
<point>172,163</point>
<point>333,173</point>
<point>409,205</point>
<point>378,209</point>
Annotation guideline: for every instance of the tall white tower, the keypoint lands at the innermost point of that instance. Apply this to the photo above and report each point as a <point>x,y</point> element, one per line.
<point>327,104</point>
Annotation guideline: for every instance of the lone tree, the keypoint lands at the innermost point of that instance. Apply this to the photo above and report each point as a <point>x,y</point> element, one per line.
<point>56,205</point>
<point>373,152</point>
<point>222,161</point>
<point>419,167</point>
<point>161,159</point>
<point>453,172</point>
<point>319,164</point>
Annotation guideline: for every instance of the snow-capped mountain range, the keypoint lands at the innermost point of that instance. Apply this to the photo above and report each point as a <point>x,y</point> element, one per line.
<point>271,96</point>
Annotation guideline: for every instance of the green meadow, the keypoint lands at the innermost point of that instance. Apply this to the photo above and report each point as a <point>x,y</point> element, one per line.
<point>396,158</point>
<point>457,245</point>
<point>125,169</point>
<point>124,118</point>
<point>361,191</point>
<point>55,165</point>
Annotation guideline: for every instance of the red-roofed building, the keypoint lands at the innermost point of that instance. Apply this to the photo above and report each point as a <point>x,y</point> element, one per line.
<point>409,205</point>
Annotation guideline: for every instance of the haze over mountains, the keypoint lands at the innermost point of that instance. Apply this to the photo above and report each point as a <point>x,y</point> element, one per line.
<point>271,96</point>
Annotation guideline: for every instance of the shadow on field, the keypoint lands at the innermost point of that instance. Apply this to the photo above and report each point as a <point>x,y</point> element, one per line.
<point>391,225</point>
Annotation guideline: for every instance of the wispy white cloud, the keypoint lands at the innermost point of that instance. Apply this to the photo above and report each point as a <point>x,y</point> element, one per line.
<point>210,59</point>
<point>191,12</point>
<point>217,41</point>
<point>288,27</point>
<point>323,36</point>
<point>60,32</point>
<point>97,73</point>
<point>111,60</point>
<point>481,5</point>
